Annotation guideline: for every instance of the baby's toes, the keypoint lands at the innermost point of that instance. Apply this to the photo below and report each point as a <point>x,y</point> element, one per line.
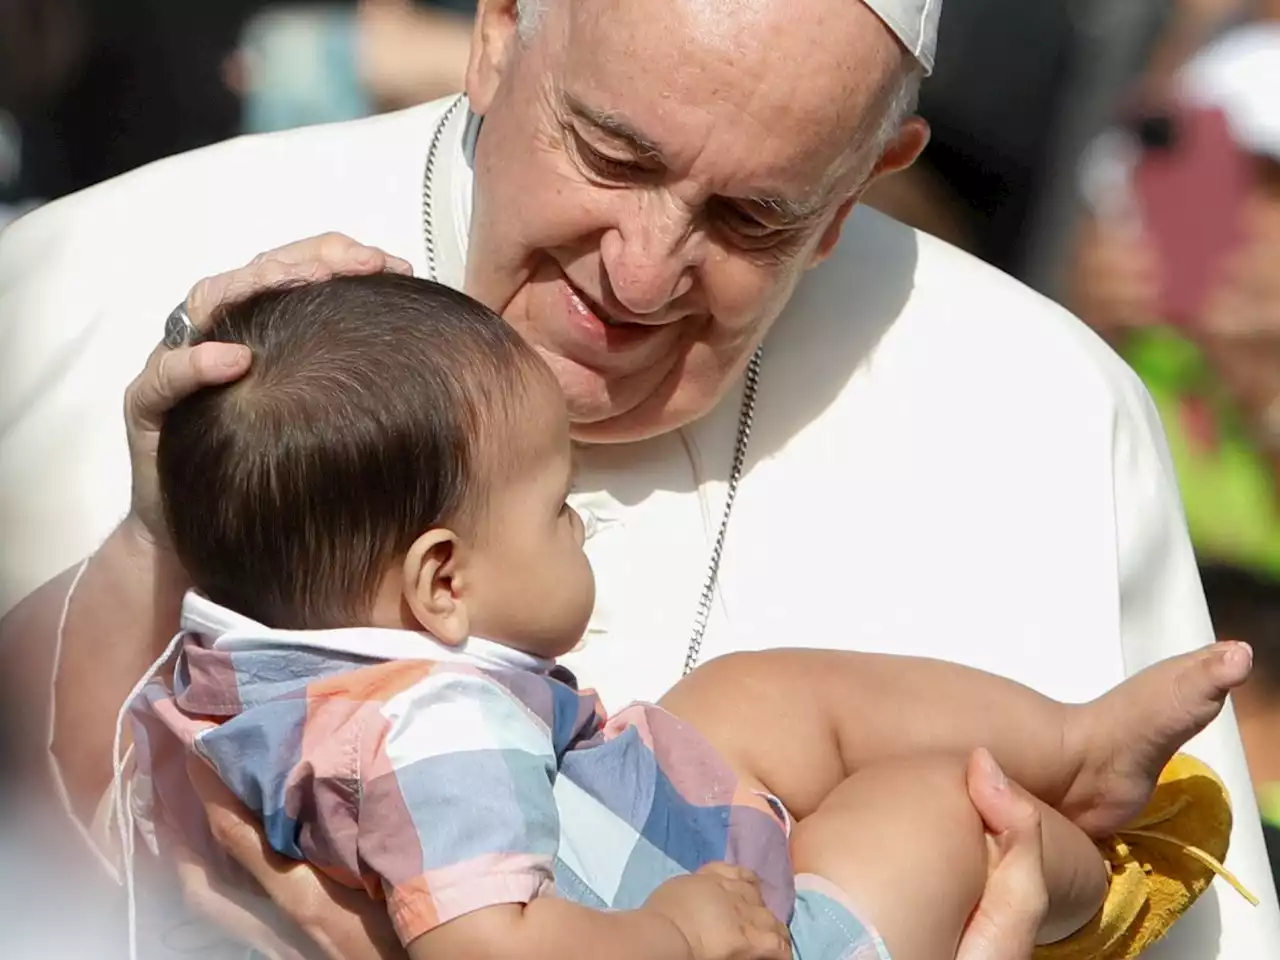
<point>1200,688</point>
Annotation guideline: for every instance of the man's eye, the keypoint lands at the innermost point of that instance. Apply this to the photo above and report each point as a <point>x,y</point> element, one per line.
<point>613,168</point>
<point>746,229</point>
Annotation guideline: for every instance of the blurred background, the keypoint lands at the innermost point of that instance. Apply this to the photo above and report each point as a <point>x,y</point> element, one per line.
<point>1121,157</point>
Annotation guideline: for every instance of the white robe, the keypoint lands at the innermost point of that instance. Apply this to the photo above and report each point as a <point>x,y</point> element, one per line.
<point>943,463</point>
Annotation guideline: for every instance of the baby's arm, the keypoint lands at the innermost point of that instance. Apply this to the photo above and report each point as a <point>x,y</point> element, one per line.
<point>458,821</point>
<point>714,914</point>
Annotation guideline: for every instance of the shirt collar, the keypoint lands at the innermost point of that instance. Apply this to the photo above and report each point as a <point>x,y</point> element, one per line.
<point>219,628</point>
<point>452,188</point>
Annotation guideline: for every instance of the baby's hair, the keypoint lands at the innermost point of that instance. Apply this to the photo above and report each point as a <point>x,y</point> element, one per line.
<point>361,424</point>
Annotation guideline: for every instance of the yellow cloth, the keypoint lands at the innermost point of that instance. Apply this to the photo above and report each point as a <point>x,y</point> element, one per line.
<point>1160,865</point>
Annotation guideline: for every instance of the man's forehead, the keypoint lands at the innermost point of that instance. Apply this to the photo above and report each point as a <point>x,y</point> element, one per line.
<point>739,110</point>
<point>913,22</point>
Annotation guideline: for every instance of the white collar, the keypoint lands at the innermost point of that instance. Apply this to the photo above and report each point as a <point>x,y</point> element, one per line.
<point>223,629</point>
<point>452,190</point>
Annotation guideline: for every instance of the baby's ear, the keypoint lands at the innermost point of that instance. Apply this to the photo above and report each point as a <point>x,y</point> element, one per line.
<point>430,568</point>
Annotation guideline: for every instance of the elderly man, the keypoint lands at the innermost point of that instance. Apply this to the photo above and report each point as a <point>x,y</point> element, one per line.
<point>799,423</point>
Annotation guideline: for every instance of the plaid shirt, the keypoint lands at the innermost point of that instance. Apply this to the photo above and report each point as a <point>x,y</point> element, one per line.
<point>445,780</point>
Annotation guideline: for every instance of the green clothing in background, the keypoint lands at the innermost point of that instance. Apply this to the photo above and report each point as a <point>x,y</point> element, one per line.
<point>1227,485</point>
<point>1269,803</point>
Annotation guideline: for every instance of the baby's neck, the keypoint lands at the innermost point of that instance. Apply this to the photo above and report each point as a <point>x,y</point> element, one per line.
<point>391,612</point>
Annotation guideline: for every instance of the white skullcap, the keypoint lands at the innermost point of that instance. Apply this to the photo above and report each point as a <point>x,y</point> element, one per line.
<point>916,24</point>
<point>1240,75</point>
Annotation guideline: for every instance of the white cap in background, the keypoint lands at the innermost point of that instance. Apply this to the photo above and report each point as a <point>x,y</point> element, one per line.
<point>1240,75</point>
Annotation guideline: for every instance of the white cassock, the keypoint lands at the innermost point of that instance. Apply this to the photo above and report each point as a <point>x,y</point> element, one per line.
<point>943,463</point>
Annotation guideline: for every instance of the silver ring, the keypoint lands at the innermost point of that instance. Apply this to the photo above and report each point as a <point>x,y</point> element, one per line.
<point>179,331</point>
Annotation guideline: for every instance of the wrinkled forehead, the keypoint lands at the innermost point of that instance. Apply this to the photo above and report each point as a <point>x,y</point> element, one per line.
<point>776,91</point>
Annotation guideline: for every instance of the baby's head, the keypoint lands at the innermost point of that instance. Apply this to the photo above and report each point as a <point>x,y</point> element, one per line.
<point>396,456</point>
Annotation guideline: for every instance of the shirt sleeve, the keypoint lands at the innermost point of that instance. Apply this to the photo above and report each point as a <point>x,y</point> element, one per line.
<point>1162,614</point>
<point>457,809</point>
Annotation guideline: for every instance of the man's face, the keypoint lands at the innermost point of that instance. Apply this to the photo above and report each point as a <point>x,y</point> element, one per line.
<point>653,178</point>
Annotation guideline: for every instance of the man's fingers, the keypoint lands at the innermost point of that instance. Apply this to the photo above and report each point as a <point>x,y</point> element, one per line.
<point>306,261</point>
<point>1012,907</point>
<point>233,826</point>
<point>213,293</point>
<point>1015,900</point>
<point>1003,806</point>
<point>340,923</point>
<point>171,375</point>
<point>231,910</point>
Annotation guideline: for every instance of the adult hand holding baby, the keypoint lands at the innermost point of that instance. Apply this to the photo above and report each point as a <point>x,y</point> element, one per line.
<point>137,548</point>
<point>172,373</point>
<point>307,915</point>
<point>311,918</point>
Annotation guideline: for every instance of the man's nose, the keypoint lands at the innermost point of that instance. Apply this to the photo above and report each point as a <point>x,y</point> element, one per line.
<point>649,260</point>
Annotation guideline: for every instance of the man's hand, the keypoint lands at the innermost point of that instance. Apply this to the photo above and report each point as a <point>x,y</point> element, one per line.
<point>1015,901</point>
<point>722,915</point>
<point>171,375</point>
<point>303,915</point>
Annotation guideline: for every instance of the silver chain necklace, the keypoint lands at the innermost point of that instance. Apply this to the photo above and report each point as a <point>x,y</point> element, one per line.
<point>746,415</point>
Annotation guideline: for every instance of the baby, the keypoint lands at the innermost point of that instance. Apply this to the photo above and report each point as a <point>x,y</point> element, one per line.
<point>375,520</point>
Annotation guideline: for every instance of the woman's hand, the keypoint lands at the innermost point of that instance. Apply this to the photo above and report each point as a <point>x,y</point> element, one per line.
<point>303,915</point>
<point>1015,901</point>
<point>172,374</point>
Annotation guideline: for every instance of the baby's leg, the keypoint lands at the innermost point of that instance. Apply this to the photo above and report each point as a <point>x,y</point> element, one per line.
<point>902,840</point>
<point>802,721</point>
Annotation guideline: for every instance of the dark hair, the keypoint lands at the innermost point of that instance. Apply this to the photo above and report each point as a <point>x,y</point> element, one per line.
<point>358,428</point>
<point>1246,606</point>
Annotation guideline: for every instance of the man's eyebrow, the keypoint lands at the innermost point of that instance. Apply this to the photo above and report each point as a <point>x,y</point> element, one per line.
<point>614,126</point>
<point>785,209</point>
<point>790,211</point>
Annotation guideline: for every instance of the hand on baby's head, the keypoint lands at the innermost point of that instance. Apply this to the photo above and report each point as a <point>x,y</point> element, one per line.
<point>356,465</point>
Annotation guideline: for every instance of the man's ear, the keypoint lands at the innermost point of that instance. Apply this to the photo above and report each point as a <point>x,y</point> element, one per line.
<point>432,588</point>
<point>493,40</point>
<point>903,150</point>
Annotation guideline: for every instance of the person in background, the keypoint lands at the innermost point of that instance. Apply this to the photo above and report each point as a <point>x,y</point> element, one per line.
<point>991,108</point>
<point>299,64</point>
<point>43,46</point>
<point>1215,376</point>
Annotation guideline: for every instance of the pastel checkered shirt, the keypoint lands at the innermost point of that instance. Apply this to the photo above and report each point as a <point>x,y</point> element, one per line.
<point>445,780</point>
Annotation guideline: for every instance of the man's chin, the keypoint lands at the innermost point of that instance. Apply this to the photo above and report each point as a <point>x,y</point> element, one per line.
<point>622,409</point>
<point>607,424</point>
<point>594,398</point>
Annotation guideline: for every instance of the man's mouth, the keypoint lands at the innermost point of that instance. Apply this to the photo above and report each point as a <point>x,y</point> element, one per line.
<point>589,305</point>
<point>599,337</point>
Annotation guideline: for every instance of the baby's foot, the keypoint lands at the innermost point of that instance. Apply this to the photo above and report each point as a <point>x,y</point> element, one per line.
<point>1126,737</point>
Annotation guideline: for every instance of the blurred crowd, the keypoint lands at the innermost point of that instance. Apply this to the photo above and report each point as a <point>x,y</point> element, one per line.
<point>1122,157</point>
